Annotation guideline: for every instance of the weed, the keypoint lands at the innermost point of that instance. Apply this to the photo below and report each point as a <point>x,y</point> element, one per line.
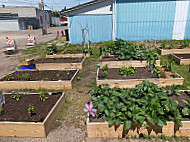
<point>105,74</point>
<point>1,110</point>
<point>9,77</point>
<point>46,79</point>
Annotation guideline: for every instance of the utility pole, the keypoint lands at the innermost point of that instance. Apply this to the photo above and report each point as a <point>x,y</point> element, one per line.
<point>44,26</point>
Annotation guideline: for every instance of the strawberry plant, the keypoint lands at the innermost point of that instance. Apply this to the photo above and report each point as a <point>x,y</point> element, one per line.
<point>145,103</point>
<point>127,71</point>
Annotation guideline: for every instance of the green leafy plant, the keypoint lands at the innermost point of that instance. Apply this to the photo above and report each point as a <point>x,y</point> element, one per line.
<point>51,49</point>
<point>186,110</point>
<point>1,110</point>
<point>15,96</point>
<point>64,51</point>
<point>105,68</point>
<point>9,77</point>
<point>43,98</point>
<point>30,110</point>
<point>147,102</point>
<point>168,66</point>
<point>87,50</point>
<point>157,73</point>
<point>72,51</point>
<point>68,75</point>
<point>127,71</point>
<point>105,74</point>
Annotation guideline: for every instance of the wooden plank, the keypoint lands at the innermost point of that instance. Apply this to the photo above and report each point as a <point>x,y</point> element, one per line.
<point>179,60</point>
<point>119,64</point>
<point>52,116</point>
<point>170,51</point>
<point>32,129</point>
<point>102,130</point>
<point>59,66</point>
<point>67,55</point>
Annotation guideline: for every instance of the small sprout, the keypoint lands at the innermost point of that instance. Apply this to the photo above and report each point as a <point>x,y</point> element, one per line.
<point>46,79</point>
<point>78,78</point>
<point>9,77</point>
<point>15,96</point>
<point>42,96</point>
<point>1,110</point>
<point>68,75</point>
<point>30,110</point>
<point>26,76</point>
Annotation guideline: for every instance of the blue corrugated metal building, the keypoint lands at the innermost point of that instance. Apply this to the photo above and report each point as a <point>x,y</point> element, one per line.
<point>132,20</point>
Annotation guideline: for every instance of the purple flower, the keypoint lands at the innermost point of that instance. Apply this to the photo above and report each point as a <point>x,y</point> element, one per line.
<point>90,110</point>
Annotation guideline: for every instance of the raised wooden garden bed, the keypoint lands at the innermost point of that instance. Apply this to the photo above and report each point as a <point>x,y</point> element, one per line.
<point>182,59</point>
<point>65,55</point>
<point>21,124</point>
<point>141,73</point>
<point>100,128</point>
<point>51,80</point>
<point>59,63</point>
<point>113,63</point>
<point>170,51</point>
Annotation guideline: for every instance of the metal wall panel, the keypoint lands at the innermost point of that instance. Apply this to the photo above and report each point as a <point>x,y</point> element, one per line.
<point>99,26</point>
<point>145,19</point>
<point>187,29</point>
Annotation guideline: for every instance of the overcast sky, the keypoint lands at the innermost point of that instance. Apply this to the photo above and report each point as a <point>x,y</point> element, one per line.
<point>56,4</point>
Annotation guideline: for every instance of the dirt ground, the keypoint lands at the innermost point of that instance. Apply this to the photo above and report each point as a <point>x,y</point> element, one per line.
<point>21,37</point>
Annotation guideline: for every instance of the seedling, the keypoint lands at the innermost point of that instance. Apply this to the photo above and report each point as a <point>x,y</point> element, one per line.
<point>78,78</point>
<point>1,110</point>
<point>46,79</point>
<point>105,74</point>
<point>173,92</point>
<point>68,75</point>
<point>9,77</point>
<point>15,96</point>
<point>43,97</point>
<point>26,76</point>
<point>30,110</point>
<point>105,68</point>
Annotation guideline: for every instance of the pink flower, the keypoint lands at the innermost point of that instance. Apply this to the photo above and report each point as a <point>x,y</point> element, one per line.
<point>90,110</point>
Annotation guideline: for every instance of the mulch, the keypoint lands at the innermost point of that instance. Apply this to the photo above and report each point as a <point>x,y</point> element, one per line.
<point>17,111</point>
<point>58,60</point>
<point>47,75</point>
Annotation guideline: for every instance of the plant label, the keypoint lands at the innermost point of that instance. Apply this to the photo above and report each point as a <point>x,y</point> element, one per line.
<point>2,99</point>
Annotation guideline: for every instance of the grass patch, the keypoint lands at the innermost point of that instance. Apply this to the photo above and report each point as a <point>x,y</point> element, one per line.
<point>182,70</point>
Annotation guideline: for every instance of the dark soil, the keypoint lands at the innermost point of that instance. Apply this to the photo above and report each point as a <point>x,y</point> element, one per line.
<point>184,96</point>
<point>69,52</point>
<point>39,75</point>
<point>183,56</point>
<point>59,60</point>
<point>11,52</point>
<point>96,119</point>
<point>140,73</point>
<point>17,111</point>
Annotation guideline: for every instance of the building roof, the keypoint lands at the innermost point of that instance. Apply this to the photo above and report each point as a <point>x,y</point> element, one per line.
<point>82,5</point>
